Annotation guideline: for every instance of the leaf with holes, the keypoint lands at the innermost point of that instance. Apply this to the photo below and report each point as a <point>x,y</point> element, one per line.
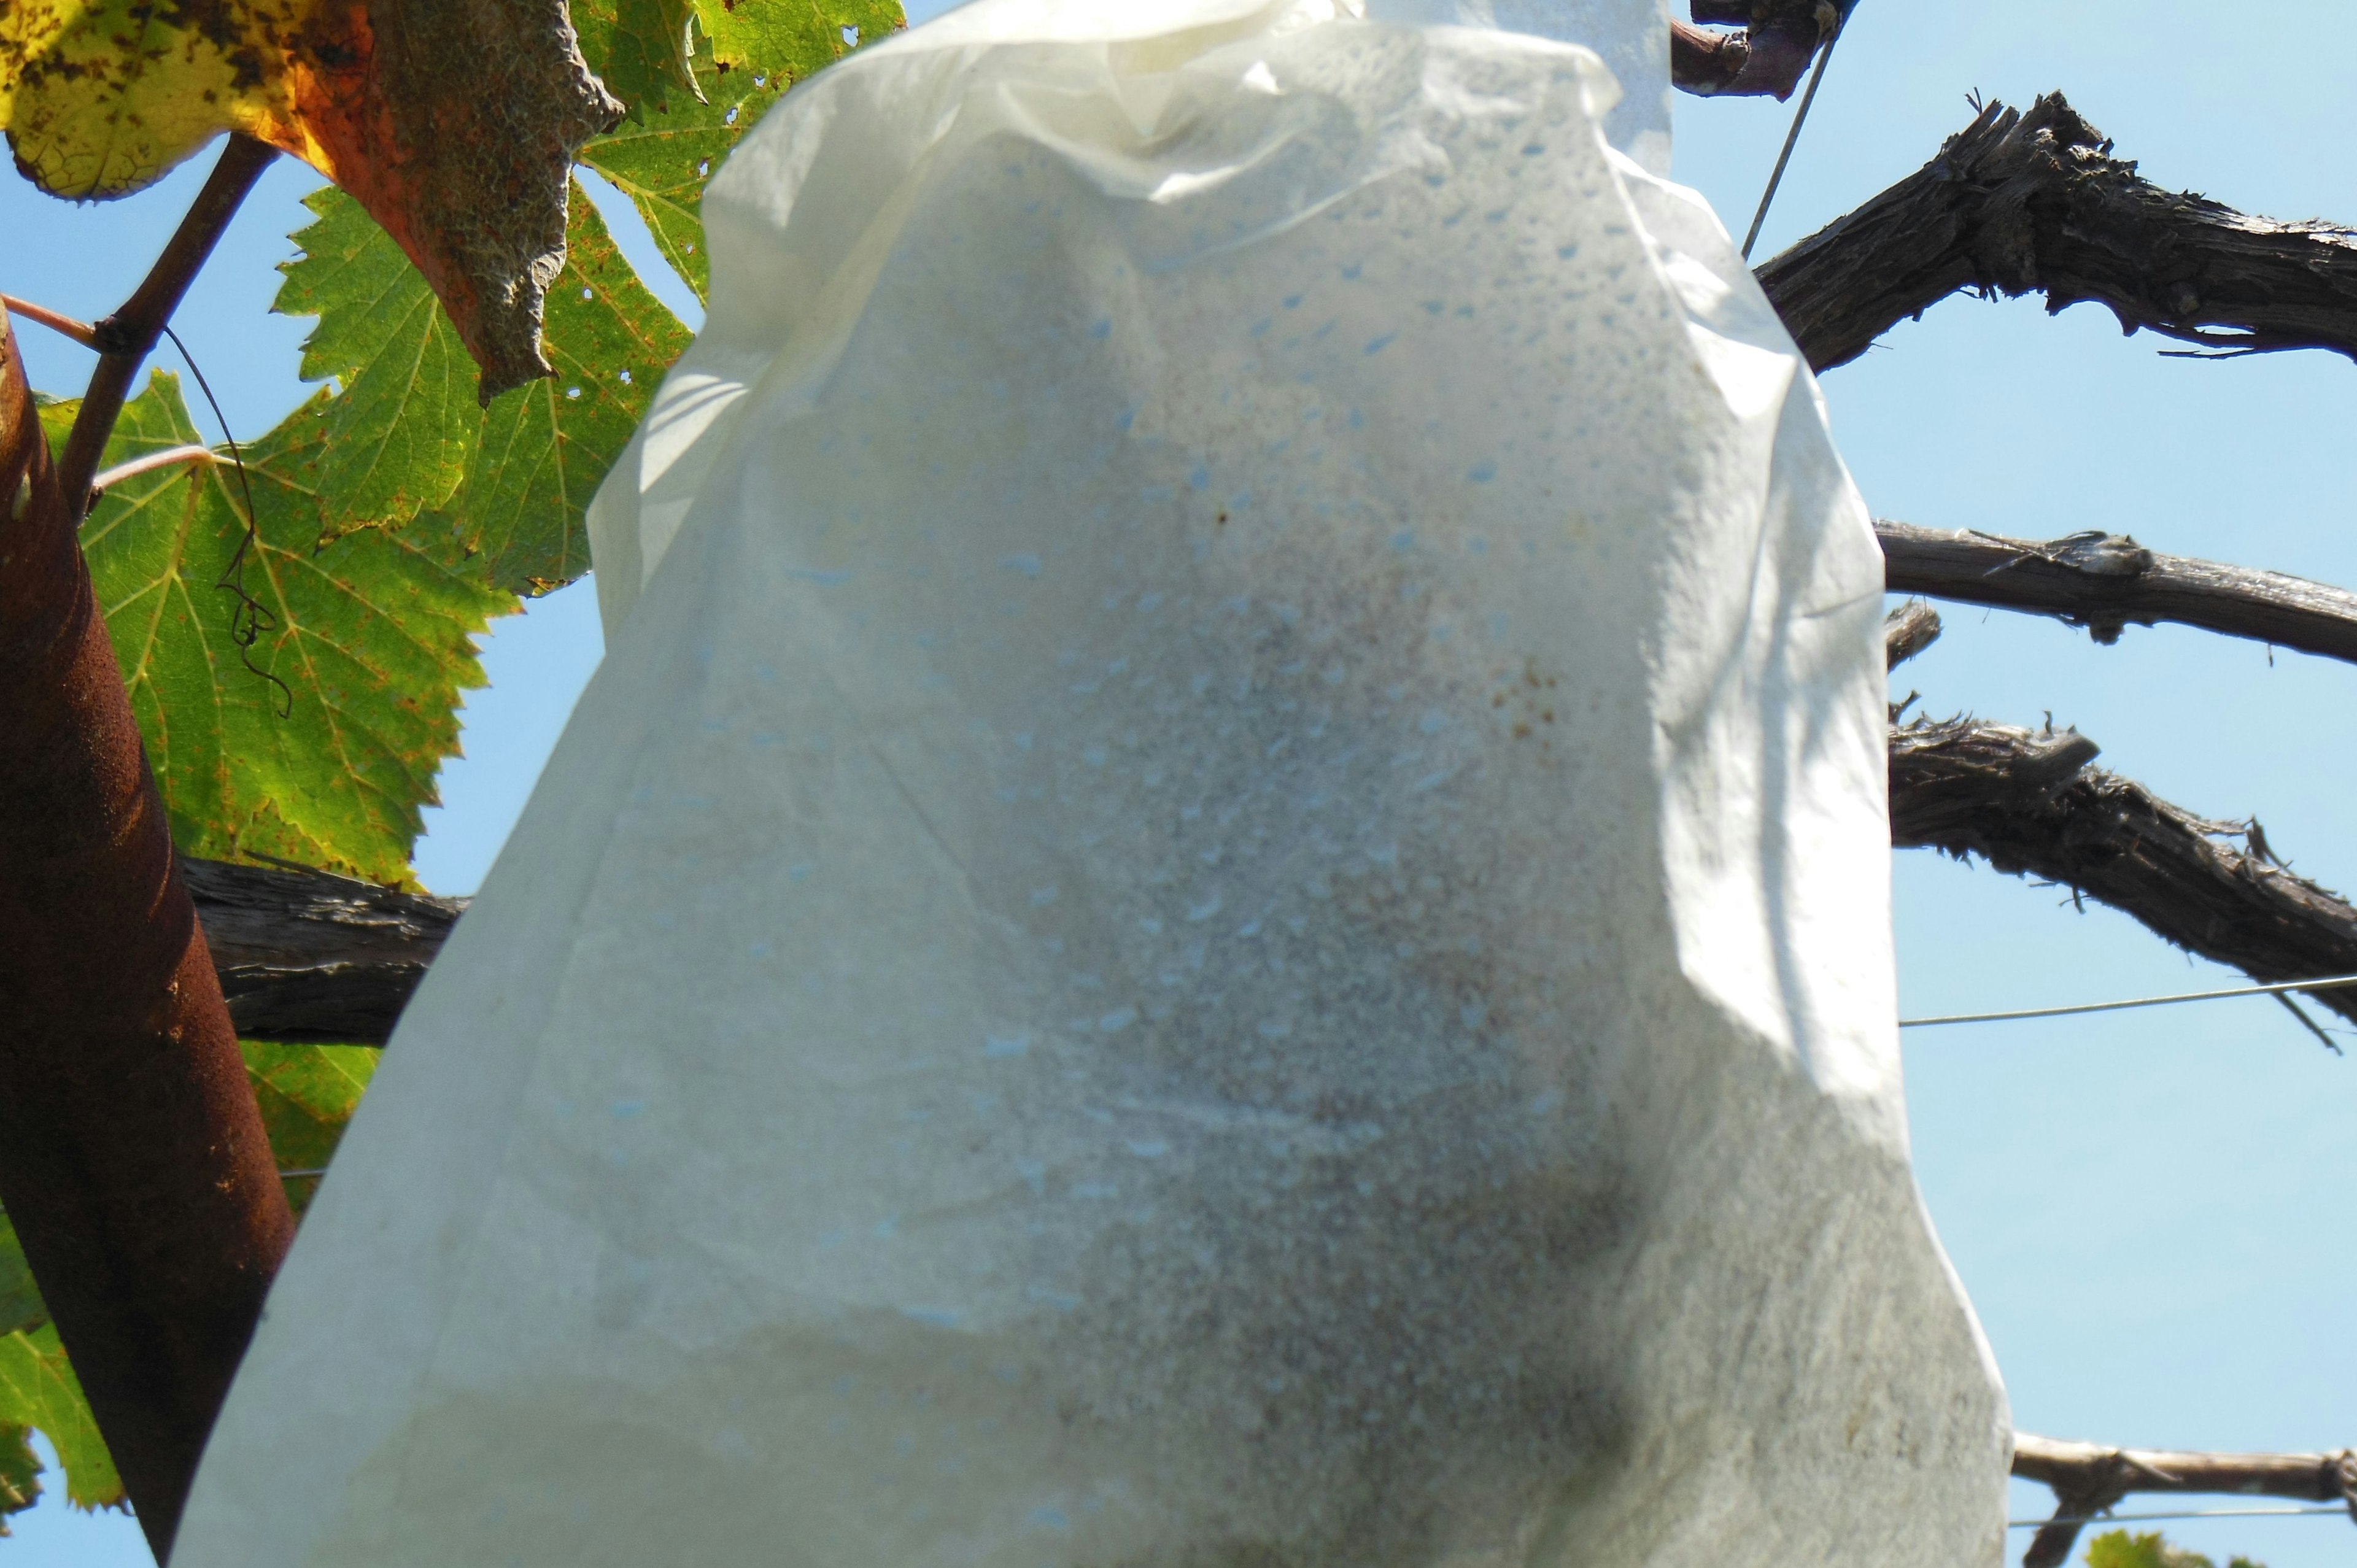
<point>662,159</point>
<point>532,460</point>
<point>324,747</point>
<point>308,1095</point>
<point>39,1390</point>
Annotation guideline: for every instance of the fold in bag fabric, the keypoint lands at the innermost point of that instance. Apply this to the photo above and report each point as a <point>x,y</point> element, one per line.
<point>1224,902</point>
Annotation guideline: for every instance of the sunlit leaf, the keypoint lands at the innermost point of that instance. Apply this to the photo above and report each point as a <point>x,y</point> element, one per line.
<point>308,1095</point>
<point>2118,1549</point>
<point>661,158</point>
<point>37,1389</point>
<point>533,458</point>
<point>396,441</point>
<point>642,49</point>
<point>20,1301</point>
<point>325,750</point>
<point>20,1472</point>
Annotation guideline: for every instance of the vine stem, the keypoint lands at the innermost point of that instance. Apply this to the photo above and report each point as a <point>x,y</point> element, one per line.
<point>133,1161</point>
<point>171,456</point>
<point>57,321</point>
<point>125,338</point>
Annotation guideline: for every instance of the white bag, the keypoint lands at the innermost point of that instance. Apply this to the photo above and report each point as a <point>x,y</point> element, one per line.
<point>1223,903</point>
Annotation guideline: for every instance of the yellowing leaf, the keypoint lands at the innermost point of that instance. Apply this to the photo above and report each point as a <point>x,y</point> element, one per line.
<point>453,122</point>
<point>101,97</point>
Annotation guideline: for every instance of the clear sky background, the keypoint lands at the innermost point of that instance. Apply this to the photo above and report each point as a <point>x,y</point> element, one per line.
<point>2150,1209</point>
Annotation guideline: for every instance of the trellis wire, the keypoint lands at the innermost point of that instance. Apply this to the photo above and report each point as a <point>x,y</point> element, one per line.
<point>1792,136</point>
<point>2329,983</point>
<point>2190,1513</point>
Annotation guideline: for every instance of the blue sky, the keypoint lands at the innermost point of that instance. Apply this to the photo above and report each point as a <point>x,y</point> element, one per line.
<point>2148,1208</point>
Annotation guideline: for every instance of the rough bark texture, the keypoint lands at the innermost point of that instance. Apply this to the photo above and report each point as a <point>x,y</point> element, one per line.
<point>307,956</point>
<point>2106,582</point>
<point>132,1161</point>
<point>2019,202</point>
<point>2089,1477</point>
<point>2029,803</point>
<point>1908,631</point>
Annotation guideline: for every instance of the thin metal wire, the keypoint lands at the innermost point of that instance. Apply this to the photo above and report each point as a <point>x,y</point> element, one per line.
<point>2192,1513</point>
<point>1792,136</point>
<point>2330,982</point>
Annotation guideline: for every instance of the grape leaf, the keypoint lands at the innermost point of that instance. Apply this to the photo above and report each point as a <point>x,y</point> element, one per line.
<point>308,1095</point>
<point>662,159</point>
<point>326,756</point>
<point>396,441</point>
<point>455,123</point>
<point>20,1472</point>
<point>37,1389</point>
<point>20,1300</point>
<point>642,49</point>
<point>2118,1549</point>
<point>532,460</point>
<point>22,1312</point>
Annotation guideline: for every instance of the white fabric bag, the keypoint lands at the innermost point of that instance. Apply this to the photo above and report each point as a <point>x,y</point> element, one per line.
<point>1223,903</point>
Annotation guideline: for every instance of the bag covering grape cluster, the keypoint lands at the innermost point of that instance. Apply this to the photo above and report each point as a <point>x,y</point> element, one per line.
<point>1224,902</point>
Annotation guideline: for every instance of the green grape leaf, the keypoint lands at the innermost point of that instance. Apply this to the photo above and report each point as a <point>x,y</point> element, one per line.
<point>544,448</point>
<point>308,1095</point>
<point>324,750</point>
<point>2118,1549</point>
<point>642,49</point>
<point>793,37</point>
<point>20,1299</point>
<point>396,441</point>
<point>20,1472</point>
<point>39,1390</point>
<point>662,160</point>
<point>526,465</point>
<point>20,1310</point>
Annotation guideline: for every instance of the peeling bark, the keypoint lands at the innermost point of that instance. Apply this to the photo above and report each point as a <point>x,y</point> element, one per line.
<point>2022,202</point>
<point>307,956</point>
<point>2030,804</point>
<point>2089,1477</point>
<point>2107,582</point>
